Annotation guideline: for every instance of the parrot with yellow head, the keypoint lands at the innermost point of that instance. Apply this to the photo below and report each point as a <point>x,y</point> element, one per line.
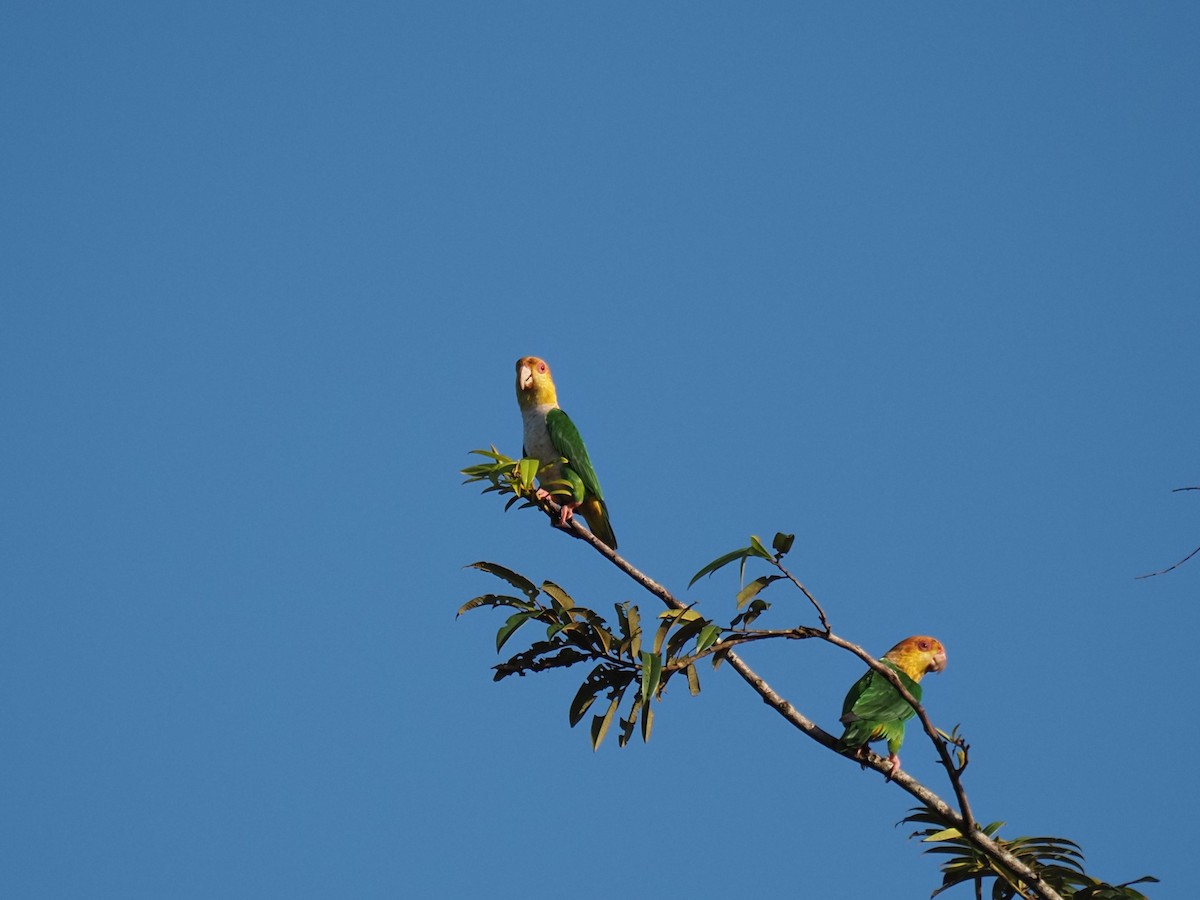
<point>874,710</point>
<point>552,438</point>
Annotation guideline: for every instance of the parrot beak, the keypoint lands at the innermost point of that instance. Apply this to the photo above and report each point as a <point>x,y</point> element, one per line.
<point>938,663</point>
<point>525,378</point>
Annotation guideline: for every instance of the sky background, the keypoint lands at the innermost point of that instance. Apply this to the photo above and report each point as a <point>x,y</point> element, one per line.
<point>915,282</point>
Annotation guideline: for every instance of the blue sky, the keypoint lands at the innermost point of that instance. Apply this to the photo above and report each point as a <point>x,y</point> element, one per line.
<point>918,284</point>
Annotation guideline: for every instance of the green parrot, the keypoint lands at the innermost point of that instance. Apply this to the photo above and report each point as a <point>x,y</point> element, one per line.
<point>873,709</point>
<point>550,437</point>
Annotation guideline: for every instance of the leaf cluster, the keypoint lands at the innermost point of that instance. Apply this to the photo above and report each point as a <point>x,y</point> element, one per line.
<point>505,476</point>
<point>623,656</point>
<point>751,605</point>
<point>1057,861</point>
<point>626,664</point>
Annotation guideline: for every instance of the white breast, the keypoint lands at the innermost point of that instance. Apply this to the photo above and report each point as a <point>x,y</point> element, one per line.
<point>537,440</point>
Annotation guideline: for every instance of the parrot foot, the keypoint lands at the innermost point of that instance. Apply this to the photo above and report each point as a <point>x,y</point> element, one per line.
<point>895,761</point>
<point>567,513</point>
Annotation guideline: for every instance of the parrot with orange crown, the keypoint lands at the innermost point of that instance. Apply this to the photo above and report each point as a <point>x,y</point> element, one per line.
<point>552,438</point>
<point>874,710</point>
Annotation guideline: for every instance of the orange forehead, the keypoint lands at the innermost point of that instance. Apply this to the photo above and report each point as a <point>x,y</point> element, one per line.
<point>921,643</point>
<point>534,363</point>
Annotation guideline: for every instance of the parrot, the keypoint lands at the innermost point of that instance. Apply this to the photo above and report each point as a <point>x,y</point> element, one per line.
<point>551,437</point>
<point>874,711</point>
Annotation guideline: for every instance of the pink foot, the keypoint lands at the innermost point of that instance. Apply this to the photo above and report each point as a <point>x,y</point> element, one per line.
<point>895,761</point>
<point>567,512</point>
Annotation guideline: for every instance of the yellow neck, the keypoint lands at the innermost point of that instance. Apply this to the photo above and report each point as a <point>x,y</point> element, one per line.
<point>541,394</point>
<point>911,662</point>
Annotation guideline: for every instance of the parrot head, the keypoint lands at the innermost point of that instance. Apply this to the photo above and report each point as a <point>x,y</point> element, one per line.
<point>535,387</point>
<point>918,655</point>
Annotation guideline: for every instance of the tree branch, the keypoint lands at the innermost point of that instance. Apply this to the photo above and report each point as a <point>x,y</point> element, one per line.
<point>963,820</point>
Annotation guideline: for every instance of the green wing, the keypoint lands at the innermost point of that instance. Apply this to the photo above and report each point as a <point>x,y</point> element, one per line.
<point>565,437</point>
<point>873,710</point>
<point>874,698</point>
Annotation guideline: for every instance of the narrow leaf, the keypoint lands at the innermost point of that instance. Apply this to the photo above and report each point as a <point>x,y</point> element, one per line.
<point>693,678</point>
<point>942,835</point>
<point>635,631</point>
<point>491,600</point>
<point>560,598</point>
<point>647,721</point>
<point>598,626</point>
<point>627,725</point>
<point>520,582</point>
<point>651,675</point>
<point>515,621</point>
<point>682,636</point>
<point>600,723</point>
<point>720,562</point>
<point>708,637</point>
<point>586,695</point>
<point>750,591</point>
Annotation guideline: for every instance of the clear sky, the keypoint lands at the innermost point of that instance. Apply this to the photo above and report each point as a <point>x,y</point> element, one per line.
<point>917,282</point>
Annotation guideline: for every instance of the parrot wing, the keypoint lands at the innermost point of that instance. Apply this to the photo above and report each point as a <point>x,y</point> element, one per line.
<point>578,471</point>
<point>565,437</point>
<point>873,699</point>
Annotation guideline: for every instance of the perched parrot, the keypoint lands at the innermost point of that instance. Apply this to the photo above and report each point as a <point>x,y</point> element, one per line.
<point>873,709</point>
<point>551,437</point>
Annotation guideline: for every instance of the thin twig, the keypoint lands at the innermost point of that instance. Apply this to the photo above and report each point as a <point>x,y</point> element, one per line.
<point>1182,561</point>
<point>811,599</point>
<point>1168,568</point>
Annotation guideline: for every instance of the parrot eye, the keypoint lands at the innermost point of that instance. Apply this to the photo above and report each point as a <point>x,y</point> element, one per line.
<point>924,645</point>
<point>542,367</point>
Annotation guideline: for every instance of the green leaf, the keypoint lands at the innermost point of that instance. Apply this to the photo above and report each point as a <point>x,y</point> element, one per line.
<point>540,656</point>
<point>627,725</point>
<point>527,470</point>
<point>720,562</point>
<point>520,582</point>
<point>757,607</point>
<point>942,835</point>
<point>586,695</point>
<point>493,453</point>
<point>492,600</point>
<point>635,630</point>
<point>757,548</point>
<point>708,636</point>
<point>668,619</point>
<point>560,598</point>
<point>600,723</point>
<point>623,626</point>
<point>750,591</point>
<point>651,675</point>
<point>515,621</point>
<point>782,543</point>
<point>683,635</point>
<point>599,630</point>
<point>671,618</point>
<point>693,678</point>
<point>647,721</point>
